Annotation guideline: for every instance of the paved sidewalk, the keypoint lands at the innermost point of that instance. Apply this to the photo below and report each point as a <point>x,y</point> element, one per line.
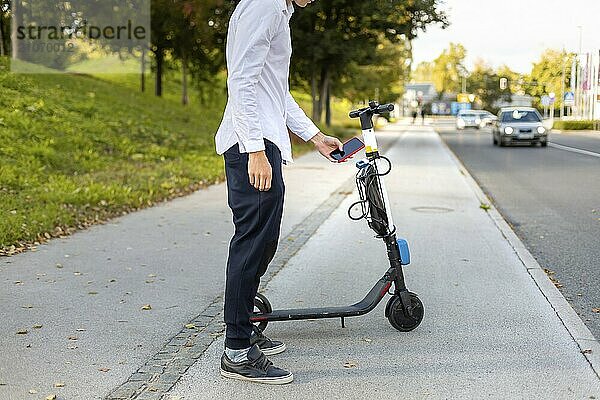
<point>87,291</point>
<point>488,332</point>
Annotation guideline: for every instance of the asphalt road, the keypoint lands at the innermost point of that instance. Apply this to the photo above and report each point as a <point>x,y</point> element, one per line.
<point>551,197</point>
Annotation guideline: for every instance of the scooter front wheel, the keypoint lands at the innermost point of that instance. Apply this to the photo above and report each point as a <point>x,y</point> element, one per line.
<point>400,318</point>
<point>262,305</point>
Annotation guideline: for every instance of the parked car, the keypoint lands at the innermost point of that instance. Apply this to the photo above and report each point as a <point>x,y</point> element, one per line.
<point>519,125</point>
<point>468,119</point>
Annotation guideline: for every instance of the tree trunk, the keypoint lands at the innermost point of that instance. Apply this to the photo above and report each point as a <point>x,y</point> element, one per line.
<point>143,72</point>
<point>17,20</point>
<point>328,105</point>
<point>159,71</point>
<point>323,85</point>
<point>184,82</point>
<point>314,95</point>
<point>2,48</point>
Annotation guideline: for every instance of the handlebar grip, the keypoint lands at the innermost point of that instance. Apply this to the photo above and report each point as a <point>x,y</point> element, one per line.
<point>384,108</point>
<point>356,113</point>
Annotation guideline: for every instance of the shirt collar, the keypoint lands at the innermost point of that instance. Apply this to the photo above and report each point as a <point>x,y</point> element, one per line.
<point>288,9</point>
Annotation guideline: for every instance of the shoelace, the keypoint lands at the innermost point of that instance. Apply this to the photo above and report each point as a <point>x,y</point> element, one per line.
<point>262,362</point>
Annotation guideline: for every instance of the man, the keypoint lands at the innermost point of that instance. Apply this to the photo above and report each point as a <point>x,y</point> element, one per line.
<point>254,140</point>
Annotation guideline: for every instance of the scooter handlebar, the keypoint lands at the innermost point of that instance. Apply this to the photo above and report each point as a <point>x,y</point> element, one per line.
<point>379,109</point>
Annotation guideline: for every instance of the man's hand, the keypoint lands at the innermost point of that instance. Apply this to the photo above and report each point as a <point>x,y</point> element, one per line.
<point>326,144</point>
<point>259,170</point>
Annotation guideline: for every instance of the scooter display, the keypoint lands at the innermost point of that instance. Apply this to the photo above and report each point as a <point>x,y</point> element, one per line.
<point>404,309</point>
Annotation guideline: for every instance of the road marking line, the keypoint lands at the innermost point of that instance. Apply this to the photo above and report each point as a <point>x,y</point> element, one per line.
<point>573,149</point>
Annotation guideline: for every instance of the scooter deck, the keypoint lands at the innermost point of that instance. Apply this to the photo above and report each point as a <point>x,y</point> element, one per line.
<point>362,307</point>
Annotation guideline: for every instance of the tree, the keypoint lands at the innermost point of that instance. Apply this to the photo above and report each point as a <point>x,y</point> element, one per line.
<point>449,70</point>
<point>547,75</point>
<point>484,82</point>
<point>4,23</point>
<point>423,72</point>
<point>331,36</point>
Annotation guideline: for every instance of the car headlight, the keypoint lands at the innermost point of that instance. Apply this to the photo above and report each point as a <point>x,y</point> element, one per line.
<point>460,122</point>
<point>477,121</point>
<point>541,130</point>
<point>508,130</point>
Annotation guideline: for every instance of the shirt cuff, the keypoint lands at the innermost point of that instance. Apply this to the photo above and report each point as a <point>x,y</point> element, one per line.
<point>309,133</point>
<point>252,145</point>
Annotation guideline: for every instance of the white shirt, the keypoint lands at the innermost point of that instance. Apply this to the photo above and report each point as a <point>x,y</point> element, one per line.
<point>259,104</point>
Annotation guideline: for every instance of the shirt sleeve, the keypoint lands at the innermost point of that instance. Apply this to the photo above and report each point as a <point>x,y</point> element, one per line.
<point>297,120</point>
<point>254,31</point>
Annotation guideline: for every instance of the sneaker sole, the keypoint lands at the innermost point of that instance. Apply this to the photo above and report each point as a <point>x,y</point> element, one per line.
<point>269,381</point>
<point>271,351</point>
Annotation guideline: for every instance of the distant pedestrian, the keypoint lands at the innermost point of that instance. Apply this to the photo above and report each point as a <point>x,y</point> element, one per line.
<point>414,116</point>
<point>422,116</point>
<point>253,138</point>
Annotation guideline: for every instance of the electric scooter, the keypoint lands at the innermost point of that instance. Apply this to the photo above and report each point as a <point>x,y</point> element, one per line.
<point>404,309</point>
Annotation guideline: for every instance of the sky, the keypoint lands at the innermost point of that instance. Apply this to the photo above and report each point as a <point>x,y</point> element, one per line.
<point>512,32</point>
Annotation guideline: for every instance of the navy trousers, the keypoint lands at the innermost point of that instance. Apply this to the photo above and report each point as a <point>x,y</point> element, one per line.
<point>257,219</point>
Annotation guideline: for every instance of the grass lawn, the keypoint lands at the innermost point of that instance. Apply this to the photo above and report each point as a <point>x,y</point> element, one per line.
<point>77,149</point>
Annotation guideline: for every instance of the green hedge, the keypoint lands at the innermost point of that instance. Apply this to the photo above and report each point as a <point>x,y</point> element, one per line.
<point>575,125</point>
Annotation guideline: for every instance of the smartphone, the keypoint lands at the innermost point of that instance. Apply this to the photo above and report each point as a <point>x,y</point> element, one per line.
<point>351,147</point>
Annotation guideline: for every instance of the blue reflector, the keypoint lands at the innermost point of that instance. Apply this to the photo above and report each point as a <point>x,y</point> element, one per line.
<point>404,251</point>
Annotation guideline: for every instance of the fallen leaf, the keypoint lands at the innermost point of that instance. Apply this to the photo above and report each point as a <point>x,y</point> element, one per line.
<point>51,397</point>
<point>151,275</point>
<point>32,391</point>
<point>596,310</point>
<point>586,351</point>
<point>104,369</point>
<point>71,347</point>
<point>72,338</point>
<point>92,292</point>
<point>368,340</point>
<point>59,265</point>
<point>59,384</point>
<point>22,332</point>
<point>146,307</point>
<point>350,364</point>
<point>76,273</point>
<point>484,206</point>
<point>80,329</point>
<point>18,282</point>
<point>37,326</point>
<point>27,306</point>
<point>112,280</point>
<point>190,326</point>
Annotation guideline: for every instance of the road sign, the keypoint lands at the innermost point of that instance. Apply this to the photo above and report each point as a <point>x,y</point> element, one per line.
<point>569,99</point>
<point>545,100</point>
<point>503,83</point>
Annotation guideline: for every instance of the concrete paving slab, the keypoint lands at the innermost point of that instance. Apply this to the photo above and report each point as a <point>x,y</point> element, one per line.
<point>488,331</point>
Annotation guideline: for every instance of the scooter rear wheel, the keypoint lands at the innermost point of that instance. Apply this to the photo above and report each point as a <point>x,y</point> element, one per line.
<point>399,317</point>
<point>262,305</point>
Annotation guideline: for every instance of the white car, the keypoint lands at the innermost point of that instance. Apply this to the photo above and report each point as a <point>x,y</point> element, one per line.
<point>468,119</point>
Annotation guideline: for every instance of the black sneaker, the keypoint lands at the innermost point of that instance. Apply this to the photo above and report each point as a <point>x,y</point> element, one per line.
<point>267,346</point>
<point>257,368</point>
